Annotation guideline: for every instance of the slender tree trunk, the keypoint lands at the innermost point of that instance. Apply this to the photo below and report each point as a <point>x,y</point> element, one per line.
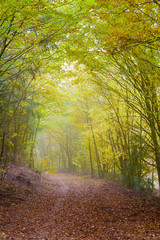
<point>68,157</point>
<point>33,144</point>
<point>153,135</point>
<point>90,157</point>
<point>2,146</point>
<point>97,154</point>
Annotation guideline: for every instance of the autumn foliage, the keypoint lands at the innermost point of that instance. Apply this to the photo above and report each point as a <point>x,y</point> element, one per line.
<point>79,88</point>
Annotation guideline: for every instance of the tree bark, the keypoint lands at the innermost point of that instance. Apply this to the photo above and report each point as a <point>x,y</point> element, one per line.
<point>90,157</point>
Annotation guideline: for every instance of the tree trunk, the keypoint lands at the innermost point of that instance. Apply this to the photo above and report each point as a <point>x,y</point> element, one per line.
<point>90,157</point>
<point>100,175</point>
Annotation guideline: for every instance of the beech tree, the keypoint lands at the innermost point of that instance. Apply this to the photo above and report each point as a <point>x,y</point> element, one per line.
<point>82,79</point>
<point>121,46</point>
<point>29,32</point>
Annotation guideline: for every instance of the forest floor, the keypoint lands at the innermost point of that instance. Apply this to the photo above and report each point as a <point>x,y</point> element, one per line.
<point>61,206</point>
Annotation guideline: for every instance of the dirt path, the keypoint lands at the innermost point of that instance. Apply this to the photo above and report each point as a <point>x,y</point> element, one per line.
<point>80,208</point>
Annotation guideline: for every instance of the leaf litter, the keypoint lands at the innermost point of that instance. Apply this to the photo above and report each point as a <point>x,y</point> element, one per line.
<point>63,206</point>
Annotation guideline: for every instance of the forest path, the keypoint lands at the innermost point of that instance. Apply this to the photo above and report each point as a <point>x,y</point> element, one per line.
<point>81,208</point>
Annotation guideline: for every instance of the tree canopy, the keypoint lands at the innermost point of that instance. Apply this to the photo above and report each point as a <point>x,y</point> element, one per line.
<point>79,86</point>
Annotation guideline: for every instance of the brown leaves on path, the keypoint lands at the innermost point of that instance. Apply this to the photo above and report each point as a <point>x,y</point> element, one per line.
<point>78,208</point>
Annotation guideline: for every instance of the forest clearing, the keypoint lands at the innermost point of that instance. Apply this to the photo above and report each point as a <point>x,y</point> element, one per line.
<point>63,206</point>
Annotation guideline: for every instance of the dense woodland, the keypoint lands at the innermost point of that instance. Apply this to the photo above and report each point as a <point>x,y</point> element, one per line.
<point>80,87</point>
